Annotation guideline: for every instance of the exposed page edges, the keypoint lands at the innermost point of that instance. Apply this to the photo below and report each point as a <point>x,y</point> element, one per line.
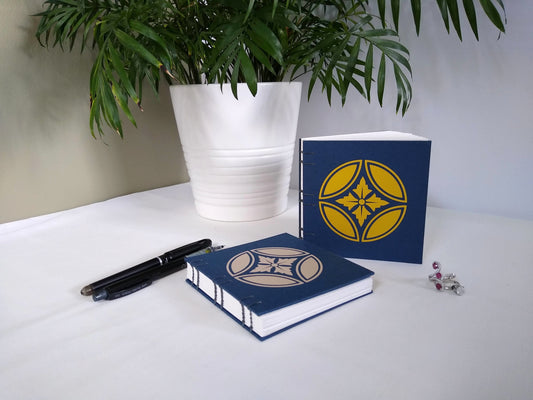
<point>277,320</point>
<point>380,136</point>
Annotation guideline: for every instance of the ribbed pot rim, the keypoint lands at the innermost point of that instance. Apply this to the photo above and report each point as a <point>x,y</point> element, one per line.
<point>297,83</point>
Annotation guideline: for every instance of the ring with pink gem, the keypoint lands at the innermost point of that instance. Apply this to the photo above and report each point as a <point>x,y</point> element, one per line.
<point>445,282</point>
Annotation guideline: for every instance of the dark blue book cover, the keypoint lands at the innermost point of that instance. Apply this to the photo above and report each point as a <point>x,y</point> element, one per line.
<point>365,195</point>
<point>274,283</point>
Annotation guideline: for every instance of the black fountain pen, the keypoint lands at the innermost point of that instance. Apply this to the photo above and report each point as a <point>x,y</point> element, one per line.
<point>142,275</point>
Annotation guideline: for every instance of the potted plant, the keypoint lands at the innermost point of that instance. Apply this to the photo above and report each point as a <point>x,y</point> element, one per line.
<point>241,46</point>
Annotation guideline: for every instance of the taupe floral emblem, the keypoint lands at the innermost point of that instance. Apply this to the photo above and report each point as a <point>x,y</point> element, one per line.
<point>274,267</point>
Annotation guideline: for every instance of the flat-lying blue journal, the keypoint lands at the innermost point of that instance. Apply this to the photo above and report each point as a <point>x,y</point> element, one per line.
<point>275,283</point>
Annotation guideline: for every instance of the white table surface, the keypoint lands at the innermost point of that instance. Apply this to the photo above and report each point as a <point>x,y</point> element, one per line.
<point>405,341</point>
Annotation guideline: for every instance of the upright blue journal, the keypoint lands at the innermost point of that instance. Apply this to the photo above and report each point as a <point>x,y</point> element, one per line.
<point>274,283</point>
<point>364,195</point>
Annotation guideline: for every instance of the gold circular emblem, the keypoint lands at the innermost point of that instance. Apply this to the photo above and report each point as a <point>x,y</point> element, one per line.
<point>362,200</point>
<point>274,267</point>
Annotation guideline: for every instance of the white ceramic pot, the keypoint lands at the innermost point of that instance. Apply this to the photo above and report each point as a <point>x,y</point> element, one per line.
<point>238,152</point>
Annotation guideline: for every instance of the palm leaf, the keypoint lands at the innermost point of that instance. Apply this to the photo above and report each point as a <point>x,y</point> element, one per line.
<point>381,79</point>
<point>493,13</point>
<point>470,11</point>
<point>248,71</point>
<point>137,48</point>
<point>453,10</point>
<point>416,8</point>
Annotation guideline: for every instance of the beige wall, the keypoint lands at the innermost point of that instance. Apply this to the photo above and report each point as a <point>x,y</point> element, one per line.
<point>48,159</point>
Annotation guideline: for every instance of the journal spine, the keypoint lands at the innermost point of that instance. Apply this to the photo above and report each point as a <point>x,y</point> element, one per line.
<point>304,199</point>
<point>300,188</point>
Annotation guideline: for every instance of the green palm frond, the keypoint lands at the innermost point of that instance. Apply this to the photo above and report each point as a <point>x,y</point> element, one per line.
<point>450,11</point>
<point>341,44</point>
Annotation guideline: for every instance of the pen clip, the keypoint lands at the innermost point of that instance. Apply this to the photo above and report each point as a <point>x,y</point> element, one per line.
<point>183,251</point>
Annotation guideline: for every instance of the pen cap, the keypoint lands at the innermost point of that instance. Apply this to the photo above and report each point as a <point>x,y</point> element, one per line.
<point>183,251</point>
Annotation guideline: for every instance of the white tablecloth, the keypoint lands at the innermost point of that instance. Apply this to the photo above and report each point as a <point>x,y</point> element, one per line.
<point>405,341</point>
